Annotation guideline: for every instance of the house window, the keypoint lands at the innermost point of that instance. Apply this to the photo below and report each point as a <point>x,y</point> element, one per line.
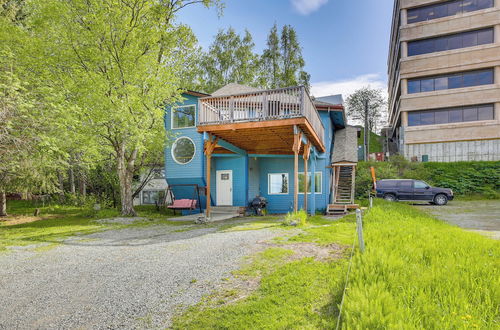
<point>317,182</point>
<point>152,196</point>
<point>452,41</point>
<point>183,116</point>
<point>451,115</point>
<point>451,81</point>
<point>183,150</point>
<point>278,183</point>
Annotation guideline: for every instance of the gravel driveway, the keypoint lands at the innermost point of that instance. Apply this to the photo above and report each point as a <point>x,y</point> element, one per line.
<point>481,215</point>
<point>129,278</point>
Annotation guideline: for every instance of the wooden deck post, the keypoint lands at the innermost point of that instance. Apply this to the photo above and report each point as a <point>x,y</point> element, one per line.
<point>297,140</point>
<point>209,149</point>
<point>307,150</point>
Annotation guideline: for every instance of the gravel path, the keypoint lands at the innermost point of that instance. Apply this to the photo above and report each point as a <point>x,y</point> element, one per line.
<point>481,215</point>
<point>129,278</point>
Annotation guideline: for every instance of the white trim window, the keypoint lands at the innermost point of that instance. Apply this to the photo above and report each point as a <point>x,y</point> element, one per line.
<point>183,116</point>
<point>277,183</point>
<point>152,196</point>
<point>318,177</point>
<point>183,150</point>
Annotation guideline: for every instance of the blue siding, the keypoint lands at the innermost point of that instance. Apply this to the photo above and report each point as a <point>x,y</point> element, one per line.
<point>237,165</point>
<point>284,203</point>
<point>191,173</point>
<point>194,169</point>
<point>250,173</point>
<point>253,177</point>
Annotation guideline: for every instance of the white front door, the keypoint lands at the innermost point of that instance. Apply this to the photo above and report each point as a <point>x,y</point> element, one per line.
<point>224,188</point>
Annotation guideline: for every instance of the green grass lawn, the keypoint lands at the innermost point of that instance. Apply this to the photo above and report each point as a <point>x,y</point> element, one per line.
<point>292,294</point>
<point>422,273</point>
<point>57,222</point>
<point>417,273</point>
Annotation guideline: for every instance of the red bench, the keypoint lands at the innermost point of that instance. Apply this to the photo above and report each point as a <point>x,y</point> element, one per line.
<point>183,204</point>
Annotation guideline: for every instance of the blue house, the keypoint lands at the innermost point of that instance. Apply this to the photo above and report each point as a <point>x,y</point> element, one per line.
<point>242,142</point>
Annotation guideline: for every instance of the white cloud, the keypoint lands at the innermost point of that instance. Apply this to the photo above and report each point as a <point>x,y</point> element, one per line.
<point>347,87</point>
<point>305,7</point>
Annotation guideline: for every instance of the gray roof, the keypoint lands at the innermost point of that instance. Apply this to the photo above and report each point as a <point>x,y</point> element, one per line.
<point>345,147</point>
<point>331,99</point>
<point>233,89</point>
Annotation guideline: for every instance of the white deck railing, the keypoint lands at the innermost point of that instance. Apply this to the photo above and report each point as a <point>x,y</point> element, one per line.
<point>274,104</point>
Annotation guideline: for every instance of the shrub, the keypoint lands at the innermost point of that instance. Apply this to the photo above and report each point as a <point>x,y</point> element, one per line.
<point>464,178</point>
<point>298,218</point>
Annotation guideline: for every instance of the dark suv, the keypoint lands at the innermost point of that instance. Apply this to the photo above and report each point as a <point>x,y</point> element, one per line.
<point>412,190</point>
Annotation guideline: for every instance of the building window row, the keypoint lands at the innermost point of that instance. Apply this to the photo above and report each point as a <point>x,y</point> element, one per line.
<point>452,41</point>
<point>444,9</point>
<point>451,115</point>
<point>451,81</point>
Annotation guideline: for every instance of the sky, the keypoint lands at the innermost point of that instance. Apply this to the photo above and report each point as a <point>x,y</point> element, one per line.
<point>344,42</point>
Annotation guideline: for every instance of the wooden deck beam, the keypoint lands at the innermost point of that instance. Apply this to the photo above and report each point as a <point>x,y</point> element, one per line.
<point>297,141</point>
<point>275,133</point>
<point>305,155</point>
<point>210,145</point>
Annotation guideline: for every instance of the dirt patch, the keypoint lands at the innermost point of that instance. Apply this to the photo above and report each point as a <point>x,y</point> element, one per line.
<point>311,250</point>
<point>20,219</point>
<point>240,286</point>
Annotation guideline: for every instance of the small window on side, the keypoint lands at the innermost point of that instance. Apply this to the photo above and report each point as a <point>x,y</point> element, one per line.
<point>413,86</point>
<point>483,4</point>
<point>427,118</point>
<point>183,116</point>
<point>484,77</point>
<point>413,119</point>
<point>441,117</point>
<point>485,112</point>
<point>278,183</point>
<point>470,114</point>
<point>485,37</point>
<point>456,115</point>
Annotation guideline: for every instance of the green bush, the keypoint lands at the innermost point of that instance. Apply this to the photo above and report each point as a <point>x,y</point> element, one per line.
<point>464,178</point>
<point>298,218</point>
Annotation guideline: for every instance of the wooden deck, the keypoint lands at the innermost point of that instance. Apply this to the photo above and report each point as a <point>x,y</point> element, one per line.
<point>262,122</point>
<point>264,137</point>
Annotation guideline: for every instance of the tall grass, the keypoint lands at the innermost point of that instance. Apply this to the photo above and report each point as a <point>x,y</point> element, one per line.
<point>419,272</point>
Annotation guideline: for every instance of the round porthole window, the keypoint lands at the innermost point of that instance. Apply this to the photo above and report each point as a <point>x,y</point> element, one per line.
<point>183,150</point>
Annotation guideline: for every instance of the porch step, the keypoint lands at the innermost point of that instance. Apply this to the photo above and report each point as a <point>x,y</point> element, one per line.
<point>340,209</point>
<point>238,210</point>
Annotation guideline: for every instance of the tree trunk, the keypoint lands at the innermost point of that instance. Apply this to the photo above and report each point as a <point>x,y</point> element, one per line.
<point>3,204</point>
<point>125,176</point>
<point>72,180</point>
<point>61,183</point>
<point>81,184</point>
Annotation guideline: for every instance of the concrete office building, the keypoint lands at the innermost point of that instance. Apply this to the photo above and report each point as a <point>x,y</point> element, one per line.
<point>444,80</point>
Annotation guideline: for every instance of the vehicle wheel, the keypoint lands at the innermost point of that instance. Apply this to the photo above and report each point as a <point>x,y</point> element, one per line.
<point>390,197</point>
<point>440,199</point>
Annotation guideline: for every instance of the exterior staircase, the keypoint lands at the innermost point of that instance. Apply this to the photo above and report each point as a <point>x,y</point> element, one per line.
<point>345,189</point>
<point>343,199</point>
